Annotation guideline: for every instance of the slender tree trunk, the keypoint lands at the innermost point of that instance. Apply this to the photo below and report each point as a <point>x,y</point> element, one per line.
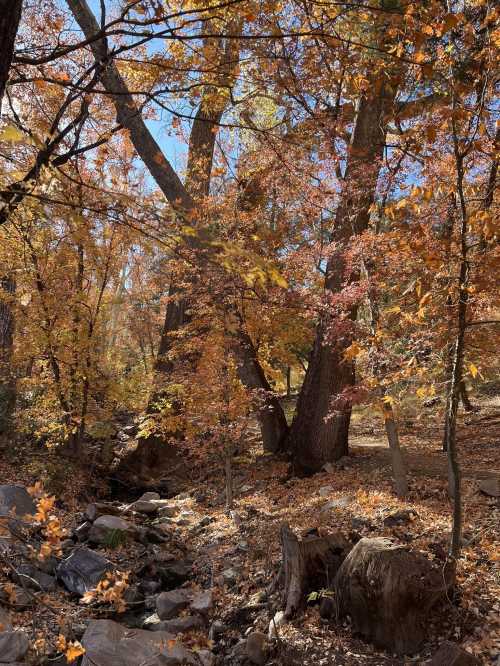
<point>319,432</point>
<point>398,463</point>
<point>10,15</point>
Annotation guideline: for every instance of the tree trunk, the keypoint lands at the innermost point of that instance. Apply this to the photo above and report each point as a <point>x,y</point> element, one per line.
<point>398,463</point>
<point>10,15</point>
<point>7,379</point>
<point>319,432</point>
<point>309,565</point>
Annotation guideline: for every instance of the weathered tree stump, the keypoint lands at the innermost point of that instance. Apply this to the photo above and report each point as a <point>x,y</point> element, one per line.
<point>387,591</point>
<point>309,564</point>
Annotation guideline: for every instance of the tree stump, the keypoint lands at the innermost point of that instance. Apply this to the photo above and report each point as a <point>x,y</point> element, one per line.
<point>388,590</point>
<point>309,564</point>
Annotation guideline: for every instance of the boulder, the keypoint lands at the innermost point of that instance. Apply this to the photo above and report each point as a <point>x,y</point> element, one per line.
<point>278,621</point>
<point>169,604</point>
<point>490,487</point>
<point>5,624</point>
<point>202,603</point>
<point>173,574</point>
<point>31,577</point>
<point>388,591</point>
<point>108,643</point>
<point>111,531</point>
<point>451,654</point>
<point>82,570</point>
<point>177,625</point>
<point>257,648</point>
<point>13,646</point>
<point>16,501</point>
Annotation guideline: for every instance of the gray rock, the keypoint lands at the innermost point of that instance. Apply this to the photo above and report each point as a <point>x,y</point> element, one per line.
<point>111,530</point>
<point>202,603</point>
<point>278,621</point>
<point>82,531</point>
<point>5,624</point>
<point>175,573</point>
<point>216,630</point>
<point>178,625</point>
<point>16,501</point>
<point>31,577</point>
<point>150,496</point>
<point>257,648</point>
<point>82,570</point>
<point>97,509</point>
<point>169,604</point>
<point>168,511</point>
<point>108,643</point>
<point>329,467</point>
<point>341,503</point>
<point>451,654</point>
<point>13,646</point>
<point>324,491</point>
<point>490,487</point>
<point>229,576</point>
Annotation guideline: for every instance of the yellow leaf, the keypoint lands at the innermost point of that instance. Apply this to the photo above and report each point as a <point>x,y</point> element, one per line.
<point>352,351</point>
<point>473,370</point>
<point>75,650</point>
<point>11,133</point>
<point>388,400</point>
<point>422,392</point>
<point>393,310</point>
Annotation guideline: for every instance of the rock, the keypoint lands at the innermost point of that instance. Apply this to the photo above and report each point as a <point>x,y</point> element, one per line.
<point>31,577</point>
<point>278,621</point>
<point>107,643</point>
<point>13,646</point>
<point>149,497</point>
<point>490,487</point>
<point>97,509</point>
<point>327,607</point>
<point>178,625</point>
<point>206,657</point>
<point>81,533</point>
<point>402,517</point>
<point>324,491</point>
<point>216,630</point>
<point>451,654</point>
<point>246,489</point>
<point>149,506</point>
<point>169,604</point>
<point>168,511</point>
<point>16,501</point>
<point>17,597</point>
<point>335,504</point>
<point>5,624</point>
<point>257,648</point>
<point>388,591</point>
<point>111,531</point>
<point>229,576</point>
<point>175,573</point>
<point>202,603</point>
<point>329,468</point>
<point>82,570</point>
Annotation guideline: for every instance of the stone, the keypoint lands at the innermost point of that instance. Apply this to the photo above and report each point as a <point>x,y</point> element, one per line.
<point>229,576</point>
<point>169,604</point>
<point>257,648</point>
<point>246,489</point>
<point>341,503</point>
<point>216,630</point>
<point>175,573</point>
<point>402,517</point>
<point>82,570</point>
<point>13,646</point>
<point>278,621</point>
<point>324,491</point>
<point>206,657</point>
<point>111,531</point>
<point>451,654</point>
<point>202,603</point>
<point>178,625</point>
<point>97,509</point>
<point>81,533</point>
<point>16,501</point>
<point>108,643</point>
<point>490,487</point>
<point>329,468</point>
<point>31,577</point>
<point>5,624</point>
<point>168,511</point>
<point>149,496</point>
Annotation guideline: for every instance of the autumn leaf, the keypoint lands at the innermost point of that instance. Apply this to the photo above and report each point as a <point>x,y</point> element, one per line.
<point>74,650</point>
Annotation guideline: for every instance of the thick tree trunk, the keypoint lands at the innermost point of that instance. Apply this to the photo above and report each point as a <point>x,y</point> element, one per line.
<point>10,16</point>
<point>319,432</point>
<point>7,379</point>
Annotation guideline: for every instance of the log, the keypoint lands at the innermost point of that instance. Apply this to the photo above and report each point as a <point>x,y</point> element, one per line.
<point>309,564</point>
<point>388,590</point>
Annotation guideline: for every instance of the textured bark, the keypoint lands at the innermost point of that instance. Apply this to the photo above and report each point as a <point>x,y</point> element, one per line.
<point>314,438</point>
<point>309,565</point>
<point>388,591</point>
<point>7,379</point>
<point>398,463</point>
<point>10,15</point>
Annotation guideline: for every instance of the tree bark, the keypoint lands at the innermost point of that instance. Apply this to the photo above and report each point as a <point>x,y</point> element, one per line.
<point>319,432</point>
<point>10,16</point>
<point>398,463</point>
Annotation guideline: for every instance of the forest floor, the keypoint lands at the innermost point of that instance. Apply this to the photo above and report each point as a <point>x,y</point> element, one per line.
<point>359,493</point>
